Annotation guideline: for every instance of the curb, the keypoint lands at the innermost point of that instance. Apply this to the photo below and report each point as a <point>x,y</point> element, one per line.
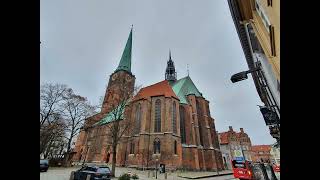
<point>207,176</point>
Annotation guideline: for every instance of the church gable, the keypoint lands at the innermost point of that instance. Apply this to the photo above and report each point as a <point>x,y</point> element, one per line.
<point>184,87</point>
<point>162,88</point>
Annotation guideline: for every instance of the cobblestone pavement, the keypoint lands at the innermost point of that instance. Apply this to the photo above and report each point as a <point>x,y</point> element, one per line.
<point>64,174</point>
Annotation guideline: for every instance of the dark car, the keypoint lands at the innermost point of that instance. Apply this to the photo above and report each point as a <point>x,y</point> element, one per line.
<point>96,172</point>
<point>44,165</point>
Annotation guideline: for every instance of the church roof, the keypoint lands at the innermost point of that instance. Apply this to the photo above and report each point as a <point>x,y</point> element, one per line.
<point>162,88</point>
<point>110,117</point>
<point>125,62</point>
<point>184,87</point>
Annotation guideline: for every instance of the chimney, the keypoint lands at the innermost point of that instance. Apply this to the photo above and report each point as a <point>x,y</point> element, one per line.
<point>230,128</point>
<point>241,129</point>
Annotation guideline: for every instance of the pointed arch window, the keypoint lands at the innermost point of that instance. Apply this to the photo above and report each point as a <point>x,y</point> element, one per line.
<point>156,146</point>
<point>175,147</point>
<point>200,133</point>
<point>174,118</point>
<point>138,119</point>
<point>157,114</point>
<point>182,125</point>
<point>132,147</point>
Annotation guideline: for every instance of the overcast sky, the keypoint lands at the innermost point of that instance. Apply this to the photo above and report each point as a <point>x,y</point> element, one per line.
<point>82,43</point>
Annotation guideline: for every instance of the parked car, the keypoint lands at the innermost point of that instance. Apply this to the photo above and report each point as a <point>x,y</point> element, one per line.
<point>96,172</point>
<point>44,165</point>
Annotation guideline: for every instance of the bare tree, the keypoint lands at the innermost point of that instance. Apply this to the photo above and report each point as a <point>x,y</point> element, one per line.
<point>52,137</point>
<point>75,110</point>
<point>51,96</point>
<point>119,125</point>
<point>51,126</point>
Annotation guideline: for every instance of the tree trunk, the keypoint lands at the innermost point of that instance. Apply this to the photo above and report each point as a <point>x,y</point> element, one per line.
<point>114,158</point>
<point>66,160</point>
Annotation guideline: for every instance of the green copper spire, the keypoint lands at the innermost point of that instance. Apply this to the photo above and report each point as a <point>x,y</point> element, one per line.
<point>125,62</point>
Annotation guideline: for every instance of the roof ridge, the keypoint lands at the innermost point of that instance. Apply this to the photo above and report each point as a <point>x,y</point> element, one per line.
<point>153,84</point>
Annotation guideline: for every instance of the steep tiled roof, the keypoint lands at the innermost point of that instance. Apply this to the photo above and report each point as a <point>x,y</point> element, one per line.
<point>224,138</point>
<point>261,148</point>
<point>184,87</point>
<point>162,88</point>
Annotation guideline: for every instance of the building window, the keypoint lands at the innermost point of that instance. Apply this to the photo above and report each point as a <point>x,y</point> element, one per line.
<point>200,133</point>
<point>269,2</point>
<point>175,147</point>
<point>263,16</point>
<point>198,109</point>
<point>272,41</point>
<point>156,146</point>
<point>138,119</point>
<point>132,148</point>
<point>157,124</point>
<point>174,118</point>
<point>182,125</point>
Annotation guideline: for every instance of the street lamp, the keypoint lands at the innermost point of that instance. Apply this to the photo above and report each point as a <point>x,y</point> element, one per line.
<point>85,157</point>
<point>242,75</point>
<point>157,168</point>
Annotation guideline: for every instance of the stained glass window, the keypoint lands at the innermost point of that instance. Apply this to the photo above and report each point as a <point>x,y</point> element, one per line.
<point>174,118</point>
<point>157,124</point>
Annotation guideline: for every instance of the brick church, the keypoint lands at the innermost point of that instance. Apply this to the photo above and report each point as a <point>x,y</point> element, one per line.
<point>172,124</point>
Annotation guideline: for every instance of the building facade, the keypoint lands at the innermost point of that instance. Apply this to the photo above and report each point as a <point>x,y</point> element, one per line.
<point>261,153</point>
<point>172,124</point>
<point>275,154</point>
<point>232,142</point>
<point>258,25</point>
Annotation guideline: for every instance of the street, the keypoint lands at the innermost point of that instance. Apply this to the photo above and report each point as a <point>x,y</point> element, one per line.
<point>64,174</point>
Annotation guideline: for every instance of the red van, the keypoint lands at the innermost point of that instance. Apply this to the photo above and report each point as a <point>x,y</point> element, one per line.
<point>242,169</point>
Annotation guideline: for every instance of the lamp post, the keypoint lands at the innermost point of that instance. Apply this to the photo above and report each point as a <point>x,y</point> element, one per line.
<point>157,168</point>
<point>85,157</point>
<point>269,114</point>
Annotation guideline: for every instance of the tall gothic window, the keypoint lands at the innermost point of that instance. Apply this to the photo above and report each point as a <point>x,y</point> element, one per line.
<point>156,146</point>
<point>157,124</point>
<point>174,118</point>
<point>182,125</point>
<point>138,119</point>
<point>198,109</point>
<point>200,132</point>
<point>175,147</point>
<point>132,147</point>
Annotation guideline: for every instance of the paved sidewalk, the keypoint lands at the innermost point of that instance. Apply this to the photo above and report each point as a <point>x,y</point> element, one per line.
<point>205,174</point>
<point>64,174</point>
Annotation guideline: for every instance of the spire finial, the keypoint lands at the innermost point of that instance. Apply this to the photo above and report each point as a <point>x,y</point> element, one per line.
<point>169,54</point>
<point>131,26</point>
<point>188,69</point>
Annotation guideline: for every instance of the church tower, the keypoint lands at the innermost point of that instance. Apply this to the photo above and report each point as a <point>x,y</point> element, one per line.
<point>170,74</point>
<point>121,81</point>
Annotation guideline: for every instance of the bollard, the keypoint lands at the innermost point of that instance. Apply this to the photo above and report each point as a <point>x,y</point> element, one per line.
<point>72,175</point>
<point>165,175</point>
<point>88,177</point>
